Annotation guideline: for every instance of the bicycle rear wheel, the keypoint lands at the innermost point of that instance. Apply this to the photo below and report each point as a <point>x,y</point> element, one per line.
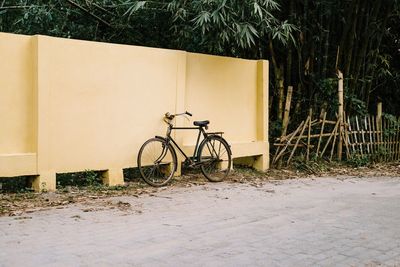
<point>157,162</point>
<point>215,158</point>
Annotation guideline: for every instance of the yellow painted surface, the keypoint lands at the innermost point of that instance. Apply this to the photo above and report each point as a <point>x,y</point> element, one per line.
<point>100,102</point>
<point>224,91</point>
<point>17,164</point>
<point>81,105</point>
<point>17,94</point>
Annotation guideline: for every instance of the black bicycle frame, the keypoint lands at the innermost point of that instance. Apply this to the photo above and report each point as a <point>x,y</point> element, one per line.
<point>196,148</point>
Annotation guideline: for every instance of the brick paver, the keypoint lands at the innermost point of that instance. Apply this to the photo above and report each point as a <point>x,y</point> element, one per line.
<point>306,222</point>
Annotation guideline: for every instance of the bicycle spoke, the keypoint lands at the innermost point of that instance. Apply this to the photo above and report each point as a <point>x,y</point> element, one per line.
<point>156,162</point>
<point>215,159</point>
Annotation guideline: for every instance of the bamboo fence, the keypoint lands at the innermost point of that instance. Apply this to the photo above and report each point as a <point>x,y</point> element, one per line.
<point>376,138</point>
<point>373,137</point>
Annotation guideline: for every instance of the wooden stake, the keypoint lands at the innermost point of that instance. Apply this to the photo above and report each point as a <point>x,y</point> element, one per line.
<point>367,136</point>
<point>350,137</point>
<point>390,139</point>
<point>396,153</point>
<point>298,140</point>
<point>358,130</point>
<point>345,135</point>
<point>308,136</point>
<point>288,142</point>
<point>345,138</point>
<point>379,112</point>
<point>378,125</point>
<point>384,139</point>
<point>363,139</point>
<point>371,136</point>
<point>340,114</point>
<point>334,141</point>
<point>330,137</point>
<point>321,132</point>
<point>355,140</point>
<point>286,113</point>
<point>397,139</point>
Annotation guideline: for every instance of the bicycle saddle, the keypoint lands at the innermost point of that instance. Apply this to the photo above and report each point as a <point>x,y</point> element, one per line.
<point>201,123</point>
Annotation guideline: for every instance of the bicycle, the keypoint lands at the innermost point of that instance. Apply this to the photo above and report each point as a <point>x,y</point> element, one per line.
<point>157,158</point>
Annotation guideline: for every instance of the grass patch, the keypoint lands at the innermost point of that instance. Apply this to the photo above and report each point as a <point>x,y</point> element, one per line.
<point>131,175</point>
<point>86,178</point>
<point>20,184</point>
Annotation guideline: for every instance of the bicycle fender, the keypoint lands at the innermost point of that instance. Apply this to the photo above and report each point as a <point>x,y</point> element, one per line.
<point>223,139</point>
<point>160,137</point>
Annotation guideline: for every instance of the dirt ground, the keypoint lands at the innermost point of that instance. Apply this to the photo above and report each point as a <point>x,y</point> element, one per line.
<point>97,198</point>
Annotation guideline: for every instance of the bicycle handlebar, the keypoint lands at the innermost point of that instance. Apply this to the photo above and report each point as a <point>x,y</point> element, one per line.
<point>168,116</point>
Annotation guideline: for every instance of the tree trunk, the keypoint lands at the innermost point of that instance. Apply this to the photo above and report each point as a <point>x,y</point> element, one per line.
<point>279,81</point>
<point>326,44</point>
<point>348,42</point>
<point>372,66</point>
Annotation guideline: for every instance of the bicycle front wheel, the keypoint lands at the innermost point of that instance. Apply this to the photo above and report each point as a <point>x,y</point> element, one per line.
<point>215,158</point>
<point>157,162</point>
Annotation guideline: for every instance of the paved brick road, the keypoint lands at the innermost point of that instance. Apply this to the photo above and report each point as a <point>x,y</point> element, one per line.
<point>322,222</point>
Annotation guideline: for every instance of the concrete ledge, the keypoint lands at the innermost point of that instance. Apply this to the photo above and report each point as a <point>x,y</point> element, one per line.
<point>12,165</point>
<point>239,149</point>
<point>46,181</point>
<point>113,177</point>
<point>258,150</point>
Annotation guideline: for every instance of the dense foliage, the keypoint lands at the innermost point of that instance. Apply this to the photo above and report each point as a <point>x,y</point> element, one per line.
<point>306,41</point>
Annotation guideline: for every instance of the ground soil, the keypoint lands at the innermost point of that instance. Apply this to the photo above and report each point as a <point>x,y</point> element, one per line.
<point>98,197</point>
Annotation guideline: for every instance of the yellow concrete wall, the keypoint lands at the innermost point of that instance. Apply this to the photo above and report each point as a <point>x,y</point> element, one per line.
<point>227,92</point>
<point>223,90</point>
<point>17,105</point>
<point>88,105</point>
<point>101,102</point>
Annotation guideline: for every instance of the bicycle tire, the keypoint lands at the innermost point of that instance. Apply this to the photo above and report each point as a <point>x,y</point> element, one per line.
<point>157,162</point>
<point>215,158</point>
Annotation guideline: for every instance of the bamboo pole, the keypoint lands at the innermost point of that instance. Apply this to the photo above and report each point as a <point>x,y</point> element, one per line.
<point>351,138</point>
<point>300,145</point>
<point>384,138</point>
<point>394,139</point>
<point>328,122</point>
<point>329,139</point>
<point>346,136</point>
<point>313,136</point>
<point>397,140</point>
<point>358,129</point>
<point>392,158</point>
<point>366,129</point>
<point>387,135</point>
<point>284,138</point>
<point>380,138</point>
<point>389,128</point>
<point>321,132</point>
<point>298,140</point>
<point>356,140</point>
<point>340,114</point>
<point>379,112</point>
<point>308,136</point>
<point>363,138</point>
<point>286,113</point>
<point>391,139</point>
<point>288,142</point>
<point>396,153</point>
<point>345,139</point>
<point>276,152</point>
<point>379,129</point>
<point>371,136</point>
<point>334,141</point>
